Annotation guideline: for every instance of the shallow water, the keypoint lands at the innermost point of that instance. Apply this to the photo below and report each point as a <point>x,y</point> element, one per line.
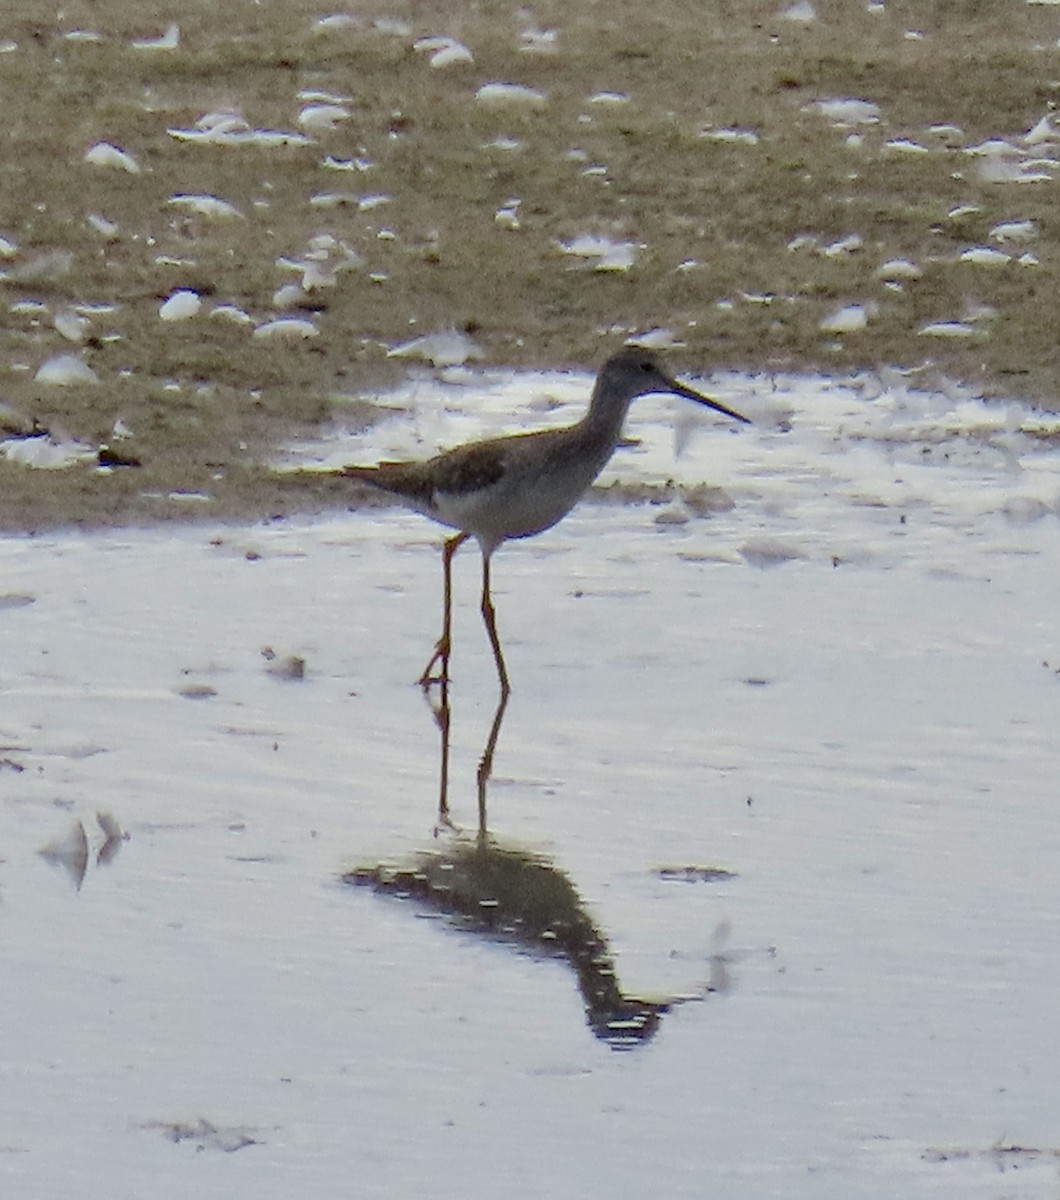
<point>842,694</point>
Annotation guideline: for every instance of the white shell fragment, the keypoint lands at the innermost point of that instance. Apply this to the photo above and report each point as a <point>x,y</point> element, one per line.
<point>846,112</point>
<point>287,329</point>
<point>65,370</point>
<point>849,319</point>
<point>233,313</point>
<point>895,270</point>
<point>743,137</point>
<point>325,257</point>
<point>905,146</point>
<point>71,325</point>
<point>204,205</point>
<point>587,245</point>
<point>316,96</point>
<point>346,164</point>
<point>104,154</point>
<point>288,296</point>
<point>105,228</point>
<point>336,21</point>
<point>447,348</point>
<point>1000,161</point>
<point>510,93</point>
<point>181,305</point>
<point>348,200</point>
<point>984,256</point>
<point>1014,231</point>
<point>951,135</point>
<point>230,129</point>
<point>323,116</point>
<point>992,146</point>
<point>659,338</point>
<point>45,454</point>
<point>947,329</point>
<point>333,200</point>
<point>1043,130</point>
<point>507,216</point>
<point>844,246</point>
<point>443,51</point>
<point>609,254</point>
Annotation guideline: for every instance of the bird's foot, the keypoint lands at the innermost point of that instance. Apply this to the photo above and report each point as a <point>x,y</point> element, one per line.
<point>445,825</point>
<point>440,659</point>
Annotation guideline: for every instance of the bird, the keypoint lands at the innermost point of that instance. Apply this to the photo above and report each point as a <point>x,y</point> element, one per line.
<point>513,487</point>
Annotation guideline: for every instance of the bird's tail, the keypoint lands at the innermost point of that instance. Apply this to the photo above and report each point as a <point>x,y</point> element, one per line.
<point>405,480</point>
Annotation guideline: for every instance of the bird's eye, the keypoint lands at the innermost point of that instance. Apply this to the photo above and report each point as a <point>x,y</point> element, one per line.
<point>647,366</point>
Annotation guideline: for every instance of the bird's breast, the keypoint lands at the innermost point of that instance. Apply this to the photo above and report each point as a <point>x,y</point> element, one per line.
<point>517,505</point>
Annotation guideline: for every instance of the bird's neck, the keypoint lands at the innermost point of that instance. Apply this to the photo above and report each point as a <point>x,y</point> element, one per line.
<point>602,424</point>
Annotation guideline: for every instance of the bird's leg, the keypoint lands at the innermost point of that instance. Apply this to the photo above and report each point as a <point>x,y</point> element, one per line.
<point>490,619</point>
<point>441,649</point>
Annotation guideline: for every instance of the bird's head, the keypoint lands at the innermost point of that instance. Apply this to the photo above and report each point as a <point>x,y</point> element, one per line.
<point>632,372</point>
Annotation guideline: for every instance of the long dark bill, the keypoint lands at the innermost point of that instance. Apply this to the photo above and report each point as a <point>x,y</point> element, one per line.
<point>679,389</point>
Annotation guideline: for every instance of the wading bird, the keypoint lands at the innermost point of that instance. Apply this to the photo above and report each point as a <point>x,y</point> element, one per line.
<point>514,487</point>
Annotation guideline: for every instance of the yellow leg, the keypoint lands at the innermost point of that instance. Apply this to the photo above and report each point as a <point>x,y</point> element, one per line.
<point>490,619</point>
<point>441,649</point>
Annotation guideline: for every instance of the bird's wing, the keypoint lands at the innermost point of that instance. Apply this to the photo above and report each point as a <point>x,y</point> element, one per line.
<point>469,468</point>
<point>462,469</point>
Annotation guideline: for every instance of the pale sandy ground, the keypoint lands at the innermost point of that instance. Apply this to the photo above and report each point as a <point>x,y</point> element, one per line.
<point>843,690</point>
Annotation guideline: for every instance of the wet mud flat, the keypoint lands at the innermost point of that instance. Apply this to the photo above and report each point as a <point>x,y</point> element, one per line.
<point>792,759</point>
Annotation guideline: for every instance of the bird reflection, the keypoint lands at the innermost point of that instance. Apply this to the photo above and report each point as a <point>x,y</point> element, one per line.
<point>519,897</point>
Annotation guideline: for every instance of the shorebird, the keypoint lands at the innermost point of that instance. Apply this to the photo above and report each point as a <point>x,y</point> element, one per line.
<point>516,486</point>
